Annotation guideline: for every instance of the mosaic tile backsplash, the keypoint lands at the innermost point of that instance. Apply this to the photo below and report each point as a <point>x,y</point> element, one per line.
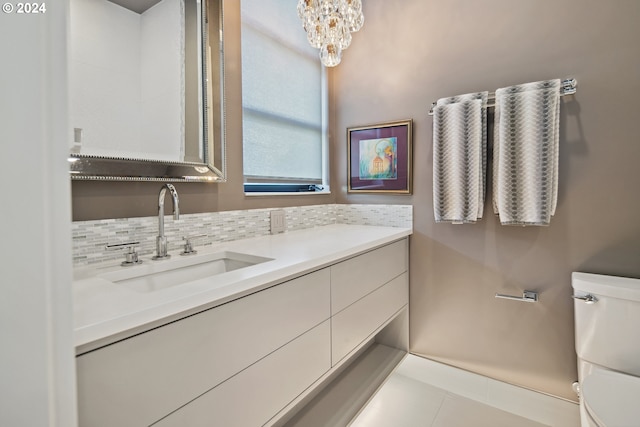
<point>91,237</point>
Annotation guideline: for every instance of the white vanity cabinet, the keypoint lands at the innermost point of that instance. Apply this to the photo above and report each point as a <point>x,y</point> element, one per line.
<point>249,360</point>
<point>366,291</point>
<point>137,381</point>
<point>257,393</point>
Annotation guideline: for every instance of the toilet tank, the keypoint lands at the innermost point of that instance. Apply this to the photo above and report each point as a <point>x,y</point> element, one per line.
<point>608,330</point>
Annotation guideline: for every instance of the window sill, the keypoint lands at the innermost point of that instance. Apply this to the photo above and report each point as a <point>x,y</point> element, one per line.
<point>287,193</point>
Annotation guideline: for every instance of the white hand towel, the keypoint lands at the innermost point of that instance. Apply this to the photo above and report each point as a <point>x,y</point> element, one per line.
<point>457,161</point>
<point>525,153</point>
<point>483,96</point>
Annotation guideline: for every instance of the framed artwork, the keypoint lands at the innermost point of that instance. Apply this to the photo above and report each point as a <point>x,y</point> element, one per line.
<point>379,158</point>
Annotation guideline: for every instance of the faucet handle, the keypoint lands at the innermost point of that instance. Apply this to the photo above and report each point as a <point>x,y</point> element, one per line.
<point>188,246</point>
<point>131,255</point>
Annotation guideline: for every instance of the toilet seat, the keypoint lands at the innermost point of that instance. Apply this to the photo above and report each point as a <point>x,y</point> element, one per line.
<point>612,399</point>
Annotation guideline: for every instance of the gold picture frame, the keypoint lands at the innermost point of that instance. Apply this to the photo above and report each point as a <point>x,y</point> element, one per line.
<point>379,158</point>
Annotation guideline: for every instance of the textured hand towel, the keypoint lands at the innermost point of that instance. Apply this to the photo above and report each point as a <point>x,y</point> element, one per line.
<point>483,96</point>
<point>525,153</point>
<point>457,161</point>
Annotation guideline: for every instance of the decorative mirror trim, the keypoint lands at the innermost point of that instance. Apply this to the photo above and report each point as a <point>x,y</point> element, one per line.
<point>95,168</point>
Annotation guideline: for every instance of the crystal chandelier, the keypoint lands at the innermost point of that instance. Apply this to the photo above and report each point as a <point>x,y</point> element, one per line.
<point>329,24</point>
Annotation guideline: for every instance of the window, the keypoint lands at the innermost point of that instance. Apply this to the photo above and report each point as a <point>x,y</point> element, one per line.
<point>284,98</point>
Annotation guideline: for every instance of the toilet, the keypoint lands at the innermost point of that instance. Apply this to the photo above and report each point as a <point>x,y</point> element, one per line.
<point>607,329</point>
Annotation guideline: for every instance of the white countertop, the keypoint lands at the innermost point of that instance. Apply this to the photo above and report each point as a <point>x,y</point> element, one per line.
<point>105,312</point>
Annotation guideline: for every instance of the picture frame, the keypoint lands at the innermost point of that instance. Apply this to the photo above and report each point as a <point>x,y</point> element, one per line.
<point>379,158</point>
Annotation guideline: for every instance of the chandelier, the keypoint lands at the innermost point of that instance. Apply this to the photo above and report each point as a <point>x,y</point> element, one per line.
<point>329,24</point>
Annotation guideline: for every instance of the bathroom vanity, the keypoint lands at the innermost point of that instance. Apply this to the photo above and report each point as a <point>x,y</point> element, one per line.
<point>253,346</point>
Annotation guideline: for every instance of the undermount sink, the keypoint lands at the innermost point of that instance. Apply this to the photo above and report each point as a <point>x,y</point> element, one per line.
<point>157,275</point>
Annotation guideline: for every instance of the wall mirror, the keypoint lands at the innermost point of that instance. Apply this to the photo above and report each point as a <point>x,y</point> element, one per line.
<point>146,92</point>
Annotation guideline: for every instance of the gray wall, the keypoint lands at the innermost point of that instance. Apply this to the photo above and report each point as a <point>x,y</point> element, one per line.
<point>413,52</point>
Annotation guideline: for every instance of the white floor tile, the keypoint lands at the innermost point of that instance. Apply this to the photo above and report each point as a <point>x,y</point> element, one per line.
<point>402,402</point>
<point>536,406</point>
<point>457,381</point>
<point>458,411</point>
<point>424,393</point>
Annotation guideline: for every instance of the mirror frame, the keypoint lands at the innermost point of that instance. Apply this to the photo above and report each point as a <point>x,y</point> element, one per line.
<point>101,168</point>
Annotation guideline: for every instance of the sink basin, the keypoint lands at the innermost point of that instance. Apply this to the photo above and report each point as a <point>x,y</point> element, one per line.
<point>157,275</point>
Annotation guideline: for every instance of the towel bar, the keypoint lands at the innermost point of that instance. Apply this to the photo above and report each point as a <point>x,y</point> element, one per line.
<point>568,88</point>
<point>527,296</point>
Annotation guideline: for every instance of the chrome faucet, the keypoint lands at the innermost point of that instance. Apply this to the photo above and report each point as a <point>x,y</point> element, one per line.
<point>161,240</point>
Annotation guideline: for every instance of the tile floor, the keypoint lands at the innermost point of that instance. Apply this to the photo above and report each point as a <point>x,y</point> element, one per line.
<point>423,393</point>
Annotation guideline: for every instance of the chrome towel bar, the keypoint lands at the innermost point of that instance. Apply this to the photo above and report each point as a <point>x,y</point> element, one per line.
<point>527,296</point>
<point>568,88</point>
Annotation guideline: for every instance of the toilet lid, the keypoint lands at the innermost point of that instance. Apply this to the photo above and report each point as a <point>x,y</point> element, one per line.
<point>612,398</point>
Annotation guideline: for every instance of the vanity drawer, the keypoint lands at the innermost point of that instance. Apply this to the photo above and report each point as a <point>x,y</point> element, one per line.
<point>353,325</point>
<point>256,394</point>
<point>141,379</point>
<point>356,277</point>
